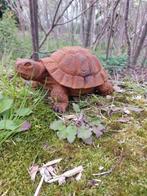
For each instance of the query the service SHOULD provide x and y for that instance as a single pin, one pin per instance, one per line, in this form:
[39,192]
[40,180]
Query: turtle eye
[27,64]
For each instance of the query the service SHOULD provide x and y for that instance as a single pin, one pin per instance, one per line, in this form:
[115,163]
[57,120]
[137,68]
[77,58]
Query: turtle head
[30,69]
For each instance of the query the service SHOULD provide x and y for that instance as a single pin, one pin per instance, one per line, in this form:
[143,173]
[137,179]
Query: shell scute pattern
[76,68]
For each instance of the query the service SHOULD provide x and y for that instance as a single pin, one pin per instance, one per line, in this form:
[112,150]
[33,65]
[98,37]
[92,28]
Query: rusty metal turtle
[70,71]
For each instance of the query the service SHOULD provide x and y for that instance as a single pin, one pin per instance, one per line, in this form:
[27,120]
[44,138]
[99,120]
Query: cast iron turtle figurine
[70,71]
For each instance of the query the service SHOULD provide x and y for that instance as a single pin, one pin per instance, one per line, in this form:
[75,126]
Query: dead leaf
[25,126]
[33,171]
[88,141]
[101,168]
[94,182]
[99,130]
[126,111]
[78,177]
[45,173]
[123,120]
[108,97]
[138,97]
[118,89]
[61,180]
[135,109]
[53,162]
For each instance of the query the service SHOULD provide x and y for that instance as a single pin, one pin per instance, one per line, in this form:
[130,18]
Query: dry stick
[37,192]
[54,24]
[112,168]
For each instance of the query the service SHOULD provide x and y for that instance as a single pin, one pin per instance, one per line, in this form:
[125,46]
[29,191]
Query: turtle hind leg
[60,98]
[105,89]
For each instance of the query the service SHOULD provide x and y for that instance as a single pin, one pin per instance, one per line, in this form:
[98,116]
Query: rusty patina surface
[68,72]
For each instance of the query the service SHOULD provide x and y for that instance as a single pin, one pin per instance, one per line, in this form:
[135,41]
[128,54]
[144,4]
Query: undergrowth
[125,142]
[122,146]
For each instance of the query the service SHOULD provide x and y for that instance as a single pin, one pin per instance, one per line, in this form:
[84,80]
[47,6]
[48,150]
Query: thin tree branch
[56,12]
[54,24]
[78,14]
[59,17]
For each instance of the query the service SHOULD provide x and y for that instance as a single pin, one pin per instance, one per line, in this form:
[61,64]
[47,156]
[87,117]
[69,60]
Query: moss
[40,144]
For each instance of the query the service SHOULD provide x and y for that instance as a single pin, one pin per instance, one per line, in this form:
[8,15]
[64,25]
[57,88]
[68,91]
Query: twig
[112,168]
[37,192]
[55,21]
[78,14]
[52,162]
[52,25]
[67,174]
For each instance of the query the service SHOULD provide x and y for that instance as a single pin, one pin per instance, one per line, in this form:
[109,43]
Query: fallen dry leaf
[99,130]
[118,89]
[78,177]
[134,109]
[123,120]
[53,162]
[25,126]
[45,173]
[126,111]
[88,141]
[33,171]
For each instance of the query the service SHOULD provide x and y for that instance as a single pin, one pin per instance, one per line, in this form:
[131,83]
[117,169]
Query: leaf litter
[49,174]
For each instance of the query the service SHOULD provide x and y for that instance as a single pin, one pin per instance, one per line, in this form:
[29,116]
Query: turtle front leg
[34,84]
[105,89]
[59,95]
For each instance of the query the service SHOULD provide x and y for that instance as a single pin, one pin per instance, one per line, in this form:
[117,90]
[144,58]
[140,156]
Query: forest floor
[123,146]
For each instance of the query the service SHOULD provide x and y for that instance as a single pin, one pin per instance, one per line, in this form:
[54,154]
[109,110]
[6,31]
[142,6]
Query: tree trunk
[140,44]
[34,27]
[83,21]
[127,33]
[144,58]
[88,36]
[111,28]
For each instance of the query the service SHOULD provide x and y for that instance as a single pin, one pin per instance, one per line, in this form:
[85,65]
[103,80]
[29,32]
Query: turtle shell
[76,68]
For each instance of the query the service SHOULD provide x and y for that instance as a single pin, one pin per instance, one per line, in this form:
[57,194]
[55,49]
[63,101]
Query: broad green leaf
[57,125]
[76,108]
[71,133]
[71,138]
[84,133]
[5,104]
[23,112]
[8,125]
[62,134]
[94,121]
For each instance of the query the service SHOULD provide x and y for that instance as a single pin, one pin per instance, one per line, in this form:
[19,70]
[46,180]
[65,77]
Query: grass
[40,144]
